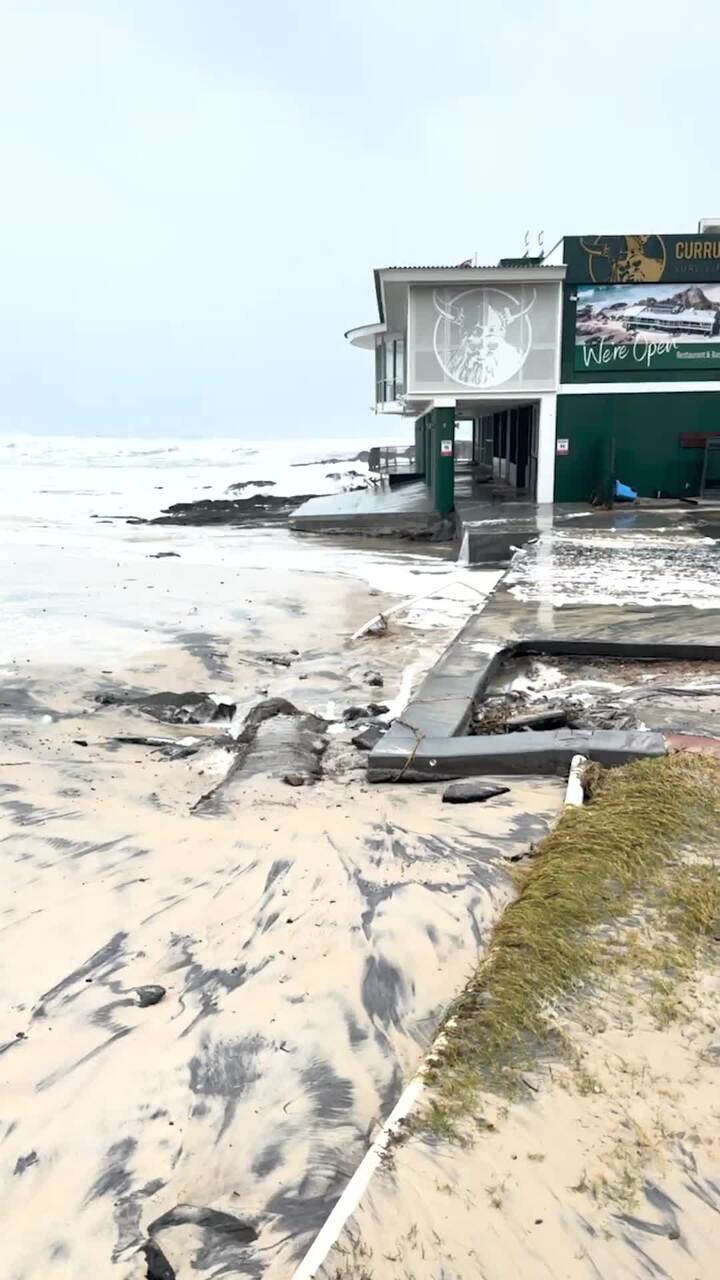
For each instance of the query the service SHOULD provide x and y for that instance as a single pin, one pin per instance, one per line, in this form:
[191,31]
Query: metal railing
[392,458]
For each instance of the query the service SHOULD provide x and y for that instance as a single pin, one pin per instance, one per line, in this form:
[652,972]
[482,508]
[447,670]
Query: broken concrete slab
[172,708]
[369,737]
[507,754]
[470,792]
[277,741]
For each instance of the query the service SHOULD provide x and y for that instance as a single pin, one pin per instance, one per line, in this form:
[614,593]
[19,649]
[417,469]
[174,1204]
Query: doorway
[505,450]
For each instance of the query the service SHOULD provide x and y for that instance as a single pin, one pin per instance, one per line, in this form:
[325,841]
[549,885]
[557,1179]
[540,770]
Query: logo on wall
[482,336]
[625,259]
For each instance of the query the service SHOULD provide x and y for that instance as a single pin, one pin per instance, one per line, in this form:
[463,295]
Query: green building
[603,368]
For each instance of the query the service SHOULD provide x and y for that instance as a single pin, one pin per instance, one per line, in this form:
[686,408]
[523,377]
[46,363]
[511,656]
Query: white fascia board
[365,335]
[470,275]
[630,388]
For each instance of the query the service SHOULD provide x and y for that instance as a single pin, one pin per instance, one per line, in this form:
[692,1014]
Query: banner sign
[642,259]
[641,327]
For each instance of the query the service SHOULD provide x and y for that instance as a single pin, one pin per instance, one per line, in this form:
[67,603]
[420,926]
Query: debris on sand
[170,748]
[360,713]
[375,679]
[469,792]
[149,995]
[172,708]
[277,740]
[157,1266]
[279,659]
[369,737]
[544,718]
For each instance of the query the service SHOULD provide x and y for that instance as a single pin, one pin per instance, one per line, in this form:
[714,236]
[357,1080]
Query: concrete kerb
[429,743]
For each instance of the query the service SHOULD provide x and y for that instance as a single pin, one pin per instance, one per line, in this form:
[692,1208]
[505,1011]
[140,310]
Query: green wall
[646,428]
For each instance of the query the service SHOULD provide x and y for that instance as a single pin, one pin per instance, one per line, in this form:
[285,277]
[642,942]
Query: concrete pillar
[547,417]
[442,454]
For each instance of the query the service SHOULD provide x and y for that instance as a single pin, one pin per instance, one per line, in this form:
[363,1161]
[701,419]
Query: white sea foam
[79,582]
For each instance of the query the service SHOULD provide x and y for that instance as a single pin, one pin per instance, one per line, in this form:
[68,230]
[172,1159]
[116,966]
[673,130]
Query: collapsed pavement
[581,596]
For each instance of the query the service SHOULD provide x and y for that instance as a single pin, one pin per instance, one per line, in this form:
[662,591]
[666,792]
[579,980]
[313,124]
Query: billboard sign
[645,327]
[642,259]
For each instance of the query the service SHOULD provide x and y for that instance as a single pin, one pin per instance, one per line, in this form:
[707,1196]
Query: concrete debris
[171,708]
[277,740]
[276,659]
[545,718]
[149,995]
[468,792]
[369,737]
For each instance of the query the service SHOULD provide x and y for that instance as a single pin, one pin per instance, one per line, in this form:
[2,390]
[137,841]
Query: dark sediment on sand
[262,508]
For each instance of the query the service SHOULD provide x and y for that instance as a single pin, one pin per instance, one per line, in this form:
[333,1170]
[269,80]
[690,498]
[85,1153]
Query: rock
[247,484]
[294,780]
[369,738]
[360,713]
[374,678]
[472,791]
[150,995]
[353,713]
[262,508]
[165,555]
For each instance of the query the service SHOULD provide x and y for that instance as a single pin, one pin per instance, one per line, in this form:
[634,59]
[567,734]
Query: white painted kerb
[357,1186]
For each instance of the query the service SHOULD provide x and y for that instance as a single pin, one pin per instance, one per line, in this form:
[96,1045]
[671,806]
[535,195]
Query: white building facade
[483,342]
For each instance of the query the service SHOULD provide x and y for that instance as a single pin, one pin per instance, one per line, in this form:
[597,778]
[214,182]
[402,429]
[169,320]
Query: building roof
[521,264]
[528,269]
[690,315]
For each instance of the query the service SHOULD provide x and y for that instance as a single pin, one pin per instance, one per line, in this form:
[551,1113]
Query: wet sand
[610,1167]
[307,938]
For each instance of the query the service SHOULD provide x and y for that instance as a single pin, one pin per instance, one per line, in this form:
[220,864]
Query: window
[389,369]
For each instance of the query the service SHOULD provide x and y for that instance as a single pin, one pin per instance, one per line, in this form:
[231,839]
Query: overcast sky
[195,192]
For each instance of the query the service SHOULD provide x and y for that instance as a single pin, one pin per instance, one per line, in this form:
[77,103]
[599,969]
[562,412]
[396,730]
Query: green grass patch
[623,857]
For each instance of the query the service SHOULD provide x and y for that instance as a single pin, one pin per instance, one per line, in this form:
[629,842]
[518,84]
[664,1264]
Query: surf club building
[548,383]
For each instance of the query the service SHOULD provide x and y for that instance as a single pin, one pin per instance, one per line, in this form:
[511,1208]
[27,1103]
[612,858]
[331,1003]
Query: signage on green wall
[644,259]
[647,327]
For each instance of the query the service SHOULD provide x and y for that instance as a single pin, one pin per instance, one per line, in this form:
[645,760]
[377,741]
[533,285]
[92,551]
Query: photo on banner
[648,327]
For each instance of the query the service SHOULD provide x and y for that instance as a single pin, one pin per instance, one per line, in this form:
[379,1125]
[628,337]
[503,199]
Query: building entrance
[505,450]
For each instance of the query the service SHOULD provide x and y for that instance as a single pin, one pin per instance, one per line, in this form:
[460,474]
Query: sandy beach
[307,938]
